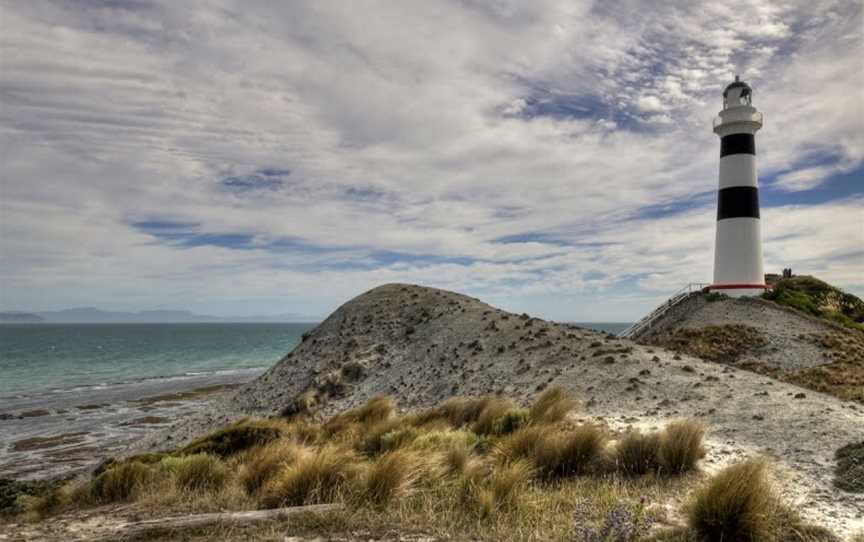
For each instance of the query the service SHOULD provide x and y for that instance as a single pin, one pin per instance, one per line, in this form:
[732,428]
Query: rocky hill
[809,348]
[422,345]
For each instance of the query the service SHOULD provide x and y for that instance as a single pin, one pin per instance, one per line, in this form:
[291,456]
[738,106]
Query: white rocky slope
[422,345]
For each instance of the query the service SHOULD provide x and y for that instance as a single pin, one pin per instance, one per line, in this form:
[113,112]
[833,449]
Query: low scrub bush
[680,446]
[320,477]
[234,438]
[551,406]
[736,504]
[638,453]
[849,474]
[120,482]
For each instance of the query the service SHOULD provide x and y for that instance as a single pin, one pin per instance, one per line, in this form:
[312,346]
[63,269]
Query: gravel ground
[423,345]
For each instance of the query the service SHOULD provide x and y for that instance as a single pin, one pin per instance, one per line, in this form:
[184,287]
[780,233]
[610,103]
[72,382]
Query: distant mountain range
[91,315]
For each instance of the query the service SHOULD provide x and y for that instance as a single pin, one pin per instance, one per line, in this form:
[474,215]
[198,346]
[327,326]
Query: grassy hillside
[813,296]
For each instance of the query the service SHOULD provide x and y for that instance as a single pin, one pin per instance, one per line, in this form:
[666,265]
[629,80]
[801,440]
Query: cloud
[302,152]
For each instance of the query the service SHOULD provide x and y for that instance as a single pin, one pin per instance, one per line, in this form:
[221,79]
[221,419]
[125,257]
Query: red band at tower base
[738,286]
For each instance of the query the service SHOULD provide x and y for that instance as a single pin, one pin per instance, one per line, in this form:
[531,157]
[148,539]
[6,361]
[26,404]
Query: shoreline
[51,436]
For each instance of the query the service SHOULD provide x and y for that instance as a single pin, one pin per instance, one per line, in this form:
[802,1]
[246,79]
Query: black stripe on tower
[737,144]
[737,202]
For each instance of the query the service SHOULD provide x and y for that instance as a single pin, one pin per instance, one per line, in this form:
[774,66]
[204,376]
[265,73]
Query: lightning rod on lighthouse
[738,245]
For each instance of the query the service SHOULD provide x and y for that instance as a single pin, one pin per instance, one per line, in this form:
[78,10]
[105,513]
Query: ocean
[69,392]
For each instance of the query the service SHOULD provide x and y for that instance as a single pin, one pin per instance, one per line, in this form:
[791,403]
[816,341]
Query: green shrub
[552,406]
[12,490]
[680,446]
[638,453]
[736,504]
[849,474]
[121,482]
[233,438]
[200,472]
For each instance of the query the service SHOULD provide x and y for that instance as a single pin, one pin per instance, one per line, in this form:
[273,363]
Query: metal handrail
[680,295]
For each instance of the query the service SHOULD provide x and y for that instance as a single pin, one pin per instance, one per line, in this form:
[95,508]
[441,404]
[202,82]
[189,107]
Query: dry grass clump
[522,444]
[121,482]
[736,504]
[569,454]
[199,472]
[680,446]
[638,453]
[320,477]
[552,406]
[504,490]
[393,475]
[234,438]
[375,411]
[499,417]
[263,463]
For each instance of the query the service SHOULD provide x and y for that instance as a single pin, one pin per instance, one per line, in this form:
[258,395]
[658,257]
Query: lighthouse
[738,244]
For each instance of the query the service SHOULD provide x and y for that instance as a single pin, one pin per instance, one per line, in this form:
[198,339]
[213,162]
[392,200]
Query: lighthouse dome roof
[737,84]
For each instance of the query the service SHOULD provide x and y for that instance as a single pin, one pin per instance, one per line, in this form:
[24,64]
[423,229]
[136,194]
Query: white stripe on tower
[738,246]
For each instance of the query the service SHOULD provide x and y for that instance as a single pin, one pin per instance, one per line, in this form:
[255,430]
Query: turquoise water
[42,357]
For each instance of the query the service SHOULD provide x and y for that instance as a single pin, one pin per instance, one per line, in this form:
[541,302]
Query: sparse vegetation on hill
[812,296]
[849,475]
[724,344]
[469,467]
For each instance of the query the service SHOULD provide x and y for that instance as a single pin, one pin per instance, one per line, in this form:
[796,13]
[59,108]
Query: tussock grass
[736,504]
[121,482]
[263,463]
[393,475]
[199,472]
[523,444]
[504,490]
[681,446]
[551,406]
[319,477]
[432,471]
[638,453]
[571,453]
[375,411]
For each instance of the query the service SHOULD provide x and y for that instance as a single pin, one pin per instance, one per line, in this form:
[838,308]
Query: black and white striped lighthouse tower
[738,248]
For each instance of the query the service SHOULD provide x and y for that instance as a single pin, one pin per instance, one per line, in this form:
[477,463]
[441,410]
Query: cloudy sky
[555,156]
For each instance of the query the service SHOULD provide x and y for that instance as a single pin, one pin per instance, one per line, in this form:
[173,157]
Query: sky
[555,156]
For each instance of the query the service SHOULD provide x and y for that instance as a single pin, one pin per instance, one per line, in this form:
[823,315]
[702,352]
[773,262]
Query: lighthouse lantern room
[738,245]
